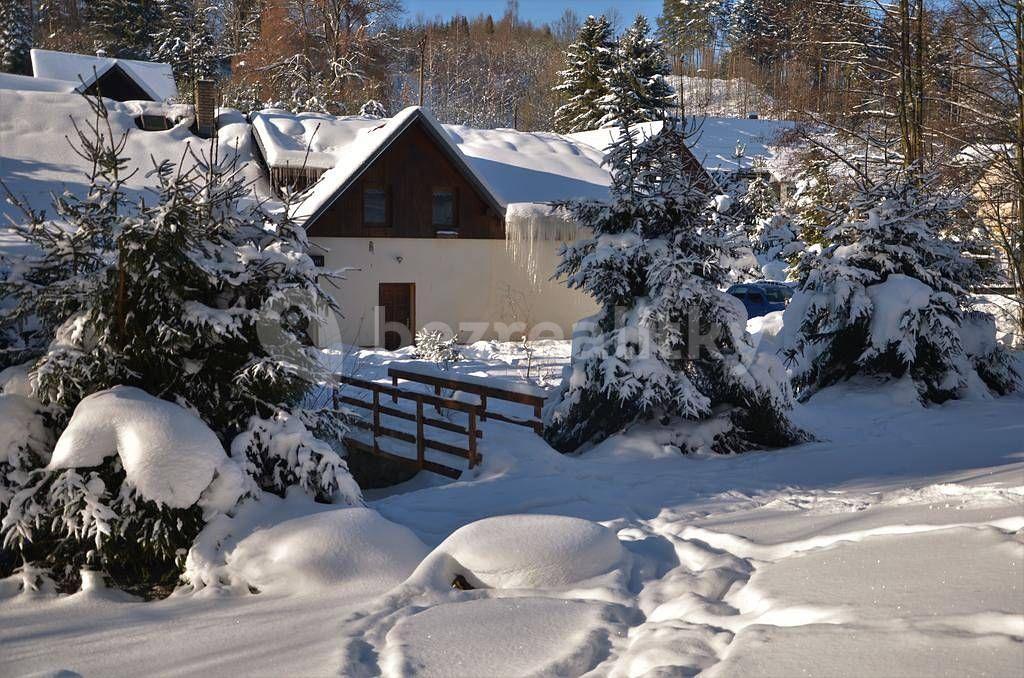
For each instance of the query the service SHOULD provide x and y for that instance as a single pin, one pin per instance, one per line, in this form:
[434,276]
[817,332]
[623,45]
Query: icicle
[527,223]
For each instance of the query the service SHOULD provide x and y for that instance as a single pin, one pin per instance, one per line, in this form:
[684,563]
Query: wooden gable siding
[117,85]
[409,169]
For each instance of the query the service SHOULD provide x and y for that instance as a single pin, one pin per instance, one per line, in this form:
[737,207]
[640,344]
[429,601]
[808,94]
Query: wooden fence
[486,392]
[420,438]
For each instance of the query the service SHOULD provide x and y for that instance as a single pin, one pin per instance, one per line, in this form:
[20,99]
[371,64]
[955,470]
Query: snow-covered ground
[893,545]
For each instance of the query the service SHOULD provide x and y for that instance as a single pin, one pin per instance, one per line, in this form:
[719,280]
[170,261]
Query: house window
[375,206]
[443,208]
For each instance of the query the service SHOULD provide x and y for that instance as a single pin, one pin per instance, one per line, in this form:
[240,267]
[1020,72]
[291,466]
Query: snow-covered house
[446,226]
[117,79]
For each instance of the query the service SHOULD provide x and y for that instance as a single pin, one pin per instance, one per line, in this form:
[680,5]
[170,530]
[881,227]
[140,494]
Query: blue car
[761,298]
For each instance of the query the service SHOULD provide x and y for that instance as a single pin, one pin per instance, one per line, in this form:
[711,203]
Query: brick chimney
[206,102]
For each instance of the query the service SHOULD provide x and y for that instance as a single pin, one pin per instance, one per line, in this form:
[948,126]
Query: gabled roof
[368,144]
[156,79]
[517,167]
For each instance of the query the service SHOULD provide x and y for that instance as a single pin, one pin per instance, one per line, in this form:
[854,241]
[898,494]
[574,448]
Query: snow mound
[17,380]
[21,428]
[349,545]
[169,455]
[523,551]
[499,637]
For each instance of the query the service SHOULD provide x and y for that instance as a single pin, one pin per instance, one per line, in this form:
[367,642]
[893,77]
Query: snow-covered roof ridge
[157,79]
[368,144]
[514,166]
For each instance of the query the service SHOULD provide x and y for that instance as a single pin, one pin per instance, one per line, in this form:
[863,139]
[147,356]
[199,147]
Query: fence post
[394,394]
[538,414]
[483,407]
[376,421]
[420,445]
[472,439]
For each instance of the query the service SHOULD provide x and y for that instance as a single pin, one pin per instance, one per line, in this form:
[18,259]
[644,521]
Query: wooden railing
[485,392]
[420,439]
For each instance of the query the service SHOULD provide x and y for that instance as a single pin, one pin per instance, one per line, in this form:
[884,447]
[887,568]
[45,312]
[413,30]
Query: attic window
[375,206]
[443,207]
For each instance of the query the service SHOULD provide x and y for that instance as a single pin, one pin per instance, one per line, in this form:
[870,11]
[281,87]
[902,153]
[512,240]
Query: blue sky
[537,11]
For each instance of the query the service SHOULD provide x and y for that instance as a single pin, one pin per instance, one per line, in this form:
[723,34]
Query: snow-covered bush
[436,347]
[886,294]
[524,551]
[668,343]
[128,486]
[373,109]
[196,296]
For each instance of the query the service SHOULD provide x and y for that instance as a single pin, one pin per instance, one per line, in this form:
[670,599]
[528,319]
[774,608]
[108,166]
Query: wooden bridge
[386,433]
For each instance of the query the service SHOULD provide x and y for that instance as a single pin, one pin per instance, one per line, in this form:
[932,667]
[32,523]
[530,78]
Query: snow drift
[523,551]
[351,546]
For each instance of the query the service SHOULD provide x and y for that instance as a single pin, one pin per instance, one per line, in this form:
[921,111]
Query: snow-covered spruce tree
[757,203]
[15,36]
[668,344]
[184,41]
[582,83]
[886,294]
[635,85]
[812,202]
[197,299]
[434,346]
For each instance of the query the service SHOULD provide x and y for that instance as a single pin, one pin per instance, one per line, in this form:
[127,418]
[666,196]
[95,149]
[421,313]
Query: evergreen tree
[184,41]
[15,37]
[812,205]
[194,298]
[667,343]
[123,28]
[636,88]
[583,82]
[886,294]
[685,26]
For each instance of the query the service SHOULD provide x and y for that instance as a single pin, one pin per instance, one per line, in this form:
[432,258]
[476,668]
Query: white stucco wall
[475,287]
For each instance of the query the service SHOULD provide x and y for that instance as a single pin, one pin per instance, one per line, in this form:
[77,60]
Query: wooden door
[398,301]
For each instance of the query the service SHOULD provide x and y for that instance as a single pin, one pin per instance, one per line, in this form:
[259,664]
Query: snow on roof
[36,159]
[516,167]
[715,144]
[367,144]
[27,83]
[157,79]
[533,167]
[314,140]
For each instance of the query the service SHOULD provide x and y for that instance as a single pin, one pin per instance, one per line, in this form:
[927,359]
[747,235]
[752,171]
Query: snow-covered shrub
[127,487]
[196,296]
[436,347]
[373,109]
[885,295]
[522,552]
[668,343]
[281,452]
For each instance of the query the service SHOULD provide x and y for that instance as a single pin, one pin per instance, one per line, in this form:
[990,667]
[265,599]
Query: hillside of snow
[892,545]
